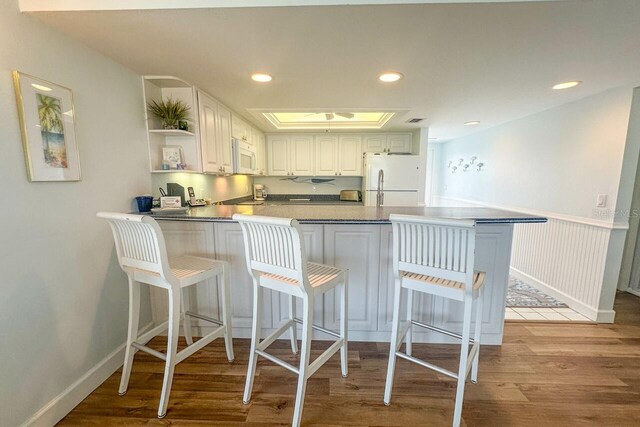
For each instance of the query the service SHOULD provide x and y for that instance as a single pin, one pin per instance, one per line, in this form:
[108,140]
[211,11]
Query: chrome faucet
[380,194]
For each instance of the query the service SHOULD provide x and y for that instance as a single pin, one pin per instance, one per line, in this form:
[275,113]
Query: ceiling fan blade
[346,115]
[329,116]
[311,114]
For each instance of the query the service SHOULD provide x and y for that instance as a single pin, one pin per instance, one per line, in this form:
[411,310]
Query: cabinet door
[209,133]
[278,155]
[358,249]
[230,247]
[240,129]
[301,155]
[224,139]
[375,143]
[350,149]
[326,155]
[261,151]
[399,143]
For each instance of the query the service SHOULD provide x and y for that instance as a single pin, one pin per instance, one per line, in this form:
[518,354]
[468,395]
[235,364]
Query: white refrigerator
[399,180]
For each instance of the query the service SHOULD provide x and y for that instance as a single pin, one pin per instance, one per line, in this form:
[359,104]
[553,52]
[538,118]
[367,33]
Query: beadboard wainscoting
[566,257]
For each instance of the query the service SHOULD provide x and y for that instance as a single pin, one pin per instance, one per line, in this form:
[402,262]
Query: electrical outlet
[601,201]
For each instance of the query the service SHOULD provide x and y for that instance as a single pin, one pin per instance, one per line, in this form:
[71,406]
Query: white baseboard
[63,403]
[600,316]
[633,292]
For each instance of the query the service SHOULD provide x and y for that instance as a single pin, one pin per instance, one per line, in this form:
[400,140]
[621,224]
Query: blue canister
[144,203]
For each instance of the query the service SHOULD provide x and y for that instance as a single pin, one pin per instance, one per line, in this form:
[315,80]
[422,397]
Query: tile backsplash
[308,185]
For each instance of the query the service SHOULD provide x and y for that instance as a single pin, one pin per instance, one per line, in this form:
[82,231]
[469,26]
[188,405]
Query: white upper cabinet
[241,129]
[209,133]
[375,143]
[327,156]
[261,151]
[278,155]
[399,143]
[215,135]
[290,155]
[301,155]
[350,155]
[224,138]
[387,143]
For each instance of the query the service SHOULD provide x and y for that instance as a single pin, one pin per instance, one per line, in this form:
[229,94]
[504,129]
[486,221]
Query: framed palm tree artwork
[47,123]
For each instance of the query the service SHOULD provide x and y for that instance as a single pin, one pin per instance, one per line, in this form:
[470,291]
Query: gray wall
[63,297]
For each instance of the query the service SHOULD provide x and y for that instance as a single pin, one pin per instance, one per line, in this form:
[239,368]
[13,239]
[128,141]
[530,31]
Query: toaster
[350,196]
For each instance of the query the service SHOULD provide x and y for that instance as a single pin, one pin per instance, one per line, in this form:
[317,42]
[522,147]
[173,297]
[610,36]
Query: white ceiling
[490,62]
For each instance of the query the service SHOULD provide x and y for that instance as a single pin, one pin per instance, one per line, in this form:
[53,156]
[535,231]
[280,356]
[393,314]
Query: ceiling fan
[331,116]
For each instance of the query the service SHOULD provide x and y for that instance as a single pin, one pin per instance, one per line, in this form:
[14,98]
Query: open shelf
[171,132]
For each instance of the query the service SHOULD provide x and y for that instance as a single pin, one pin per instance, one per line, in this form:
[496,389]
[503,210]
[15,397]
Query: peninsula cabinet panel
[493,242]
[422,303]
[313,235]
[195,239]
[230,247]
[357,248]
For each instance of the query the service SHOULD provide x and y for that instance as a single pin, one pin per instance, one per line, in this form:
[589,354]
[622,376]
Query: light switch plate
[601,201]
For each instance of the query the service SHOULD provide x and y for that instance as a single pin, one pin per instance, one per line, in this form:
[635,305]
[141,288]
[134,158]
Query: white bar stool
[276,259]
[143,256]
[436,257]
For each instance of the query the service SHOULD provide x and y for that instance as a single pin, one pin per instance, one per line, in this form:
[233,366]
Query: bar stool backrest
[275,246]
[441,248]
[139,242]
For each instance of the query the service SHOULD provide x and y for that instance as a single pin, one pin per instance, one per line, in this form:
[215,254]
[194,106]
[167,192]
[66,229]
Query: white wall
[216,188]
[558,160]
[63,297]
[555,163]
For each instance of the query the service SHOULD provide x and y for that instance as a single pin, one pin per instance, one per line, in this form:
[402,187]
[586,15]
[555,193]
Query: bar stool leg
[294,327]
[464,355]
[226,313]
[394,341]
[409,319]
[186,306]
[132,335]
[477,336]
[172,347]
[255,340]
[344,328]
[305,352]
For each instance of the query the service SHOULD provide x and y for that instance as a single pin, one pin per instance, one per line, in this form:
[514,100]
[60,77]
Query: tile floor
[544,314]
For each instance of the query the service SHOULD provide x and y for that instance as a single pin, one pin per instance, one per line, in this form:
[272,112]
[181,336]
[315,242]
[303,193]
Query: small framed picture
[172,155]
[48,127]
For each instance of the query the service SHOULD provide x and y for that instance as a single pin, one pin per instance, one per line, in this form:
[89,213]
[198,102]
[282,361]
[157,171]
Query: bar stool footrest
[439,330]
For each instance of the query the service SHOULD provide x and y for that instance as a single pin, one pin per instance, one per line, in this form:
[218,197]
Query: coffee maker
[259,192]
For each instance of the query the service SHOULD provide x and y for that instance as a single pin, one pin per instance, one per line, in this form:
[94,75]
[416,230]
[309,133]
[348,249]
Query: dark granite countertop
[339,214]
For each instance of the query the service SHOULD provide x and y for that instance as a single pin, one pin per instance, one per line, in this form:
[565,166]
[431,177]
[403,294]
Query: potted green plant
[169,112]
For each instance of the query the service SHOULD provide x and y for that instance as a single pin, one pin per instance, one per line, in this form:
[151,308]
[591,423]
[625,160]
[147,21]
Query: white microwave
[244,158]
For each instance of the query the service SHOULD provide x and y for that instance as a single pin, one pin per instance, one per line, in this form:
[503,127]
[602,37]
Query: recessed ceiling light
[566,85]
[390,77]
[40,87]
[472,123]
[261,77]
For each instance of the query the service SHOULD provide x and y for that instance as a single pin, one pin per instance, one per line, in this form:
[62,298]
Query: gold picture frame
[48,127]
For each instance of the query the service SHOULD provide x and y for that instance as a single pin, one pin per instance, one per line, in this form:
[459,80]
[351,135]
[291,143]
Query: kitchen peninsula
[355,237]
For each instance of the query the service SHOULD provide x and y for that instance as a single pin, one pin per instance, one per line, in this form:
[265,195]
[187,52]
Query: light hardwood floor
[543,375]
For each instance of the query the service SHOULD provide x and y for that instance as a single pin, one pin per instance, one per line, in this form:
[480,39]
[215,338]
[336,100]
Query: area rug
[521,294]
